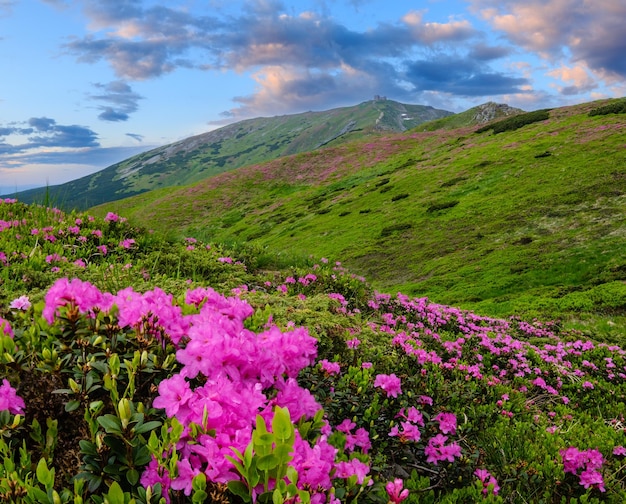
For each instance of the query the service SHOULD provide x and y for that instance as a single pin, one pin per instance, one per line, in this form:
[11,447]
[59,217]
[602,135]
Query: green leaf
[267,462]
[44,475]
[110,423]
[40,495]
[277,497]
[240,490]
[72,405]
[115,494]
[87,447]
[282,427]
[283,452]
[132,476]
[148,426]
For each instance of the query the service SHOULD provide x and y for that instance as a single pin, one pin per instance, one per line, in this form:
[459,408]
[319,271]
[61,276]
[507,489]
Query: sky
[88,83]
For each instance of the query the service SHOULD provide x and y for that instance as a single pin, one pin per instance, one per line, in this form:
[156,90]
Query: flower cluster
[586,465]
[9,400]
[488,481]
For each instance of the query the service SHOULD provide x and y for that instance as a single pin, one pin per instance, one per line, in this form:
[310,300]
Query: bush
[516,122]
[616,107]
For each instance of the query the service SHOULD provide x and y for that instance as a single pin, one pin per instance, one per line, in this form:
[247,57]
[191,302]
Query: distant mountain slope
[481,114]
[239,144]
[495,222]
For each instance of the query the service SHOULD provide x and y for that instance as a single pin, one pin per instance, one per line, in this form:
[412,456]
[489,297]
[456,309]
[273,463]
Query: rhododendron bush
[123,381]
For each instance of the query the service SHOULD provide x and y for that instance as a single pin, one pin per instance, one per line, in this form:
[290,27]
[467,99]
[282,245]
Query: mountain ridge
[233,146]
[500,222]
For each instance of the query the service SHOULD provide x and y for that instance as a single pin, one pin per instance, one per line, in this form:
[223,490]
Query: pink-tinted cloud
[586,32]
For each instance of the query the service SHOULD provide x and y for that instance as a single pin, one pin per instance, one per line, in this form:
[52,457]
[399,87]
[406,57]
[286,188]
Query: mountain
[501,223]
[233,146]
[481,114]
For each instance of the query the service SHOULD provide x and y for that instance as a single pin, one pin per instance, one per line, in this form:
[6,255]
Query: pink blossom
[487,480]
[20,303]
[437,450]
[395,491]
[5,328]
[354,467]
[332,368]
[619,451]
[447,422]
[9,400]
[111,217]
[389,383]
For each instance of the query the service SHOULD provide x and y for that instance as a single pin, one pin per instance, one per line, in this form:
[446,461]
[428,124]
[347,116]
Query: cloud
[297,59]
[460,76]
[46,133]
[135,136]
[577,77]
[589,33]
[121,100]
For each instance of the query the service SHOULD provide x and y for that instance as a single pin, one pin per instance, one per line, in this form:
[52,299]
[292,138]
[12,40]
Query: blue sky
[87,83]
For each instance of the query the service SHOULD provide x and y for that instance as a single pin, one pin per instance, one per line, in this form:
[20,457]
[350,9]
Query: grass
[483,221]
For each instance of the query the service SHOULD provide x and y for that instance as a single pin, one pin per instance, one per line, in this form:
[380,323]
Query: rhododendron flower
[590,461]
[331,368]
[5,328]
[174,394]
[111,217]
[20,303]
[395,491]
[389,383]
[437,450]
[487,479]
[353,467]
[619,451]
[447,422]
[9,400]
[409,432]
[592,478]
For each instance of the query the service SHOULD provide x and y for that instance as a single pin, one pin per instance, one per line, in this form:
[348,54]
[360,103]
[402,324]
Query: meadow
[527,221]
[138,367]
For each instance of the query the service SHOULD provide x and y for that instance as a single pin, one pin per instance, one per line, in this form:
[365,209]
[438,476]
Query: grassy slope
[239,144]
[519,221]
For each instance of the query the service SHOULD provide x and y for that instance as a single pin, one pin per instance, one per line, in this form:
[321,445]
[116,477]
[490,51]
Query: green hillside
[524,221]
[239,144]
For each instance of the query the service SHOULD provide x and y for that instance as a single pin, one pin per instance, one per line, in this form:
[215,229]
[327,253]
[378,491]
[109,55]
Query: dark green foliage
[389,230]
[516,122]
[399,196]
[441,205]
[616,107]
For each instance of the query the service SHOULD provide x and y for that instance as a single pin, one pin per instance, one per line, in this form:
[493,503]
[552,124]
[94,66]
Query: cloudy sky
[87,83]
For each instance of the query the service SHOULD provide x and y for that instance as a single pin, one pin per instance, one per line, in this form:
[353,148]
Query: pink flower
[20,303]
[5,328]
[447,422]
[487,480]
[111,217]
[591,478]
[174,394]
[395,491]
[9,400]
[619,451]
[332,368]
[354,467]
[437,450]
[389,383]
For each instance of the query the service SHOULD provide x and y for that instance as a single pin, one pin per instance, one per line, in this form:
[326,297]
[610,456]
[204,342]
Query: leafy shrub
[386,231]
[400,196]
[515,122]
[441,205]
[616,107]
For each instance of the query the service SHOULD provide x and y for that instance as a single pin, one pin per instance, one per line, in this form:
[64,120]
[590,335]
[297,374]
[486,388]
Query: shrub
[516,122]
[616,107]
